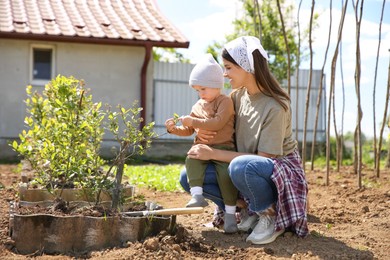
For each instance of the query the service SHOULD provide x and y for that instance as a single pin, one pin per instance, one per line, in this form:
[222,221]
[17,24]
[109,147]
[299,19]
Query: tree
[308,86]
[376,149]
[383,126]
[341,136]
[62,142]
[263,21]
[297,72]
[358,130]
[214,49]
[387,164]
[168,55]
[287,47]
[332,94]
[321,87]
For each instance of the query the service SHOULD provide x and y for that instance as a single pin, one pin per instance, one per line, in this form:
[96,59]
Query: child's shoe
[230,223]
[197,201]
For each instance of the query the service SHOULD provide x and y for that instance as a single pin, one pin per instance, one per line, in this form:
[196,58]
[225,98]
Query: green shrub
[124,125]
[65,131]
[64,134]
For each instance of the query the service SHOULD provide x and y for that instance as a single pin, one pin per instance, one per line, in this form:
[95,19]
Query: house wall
[111,72]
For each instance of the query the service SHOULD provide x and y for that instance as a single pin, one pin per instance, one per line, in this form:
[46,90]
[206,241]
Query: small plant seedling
[175,118]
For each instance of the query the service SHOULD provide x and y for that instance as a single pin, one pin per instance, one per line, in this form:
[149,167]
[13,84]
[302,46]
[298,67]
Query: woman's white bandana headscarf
[241,50]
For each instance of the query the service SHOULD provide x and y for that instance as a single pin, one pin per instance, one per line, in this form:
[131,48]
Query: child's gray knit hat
[207,73]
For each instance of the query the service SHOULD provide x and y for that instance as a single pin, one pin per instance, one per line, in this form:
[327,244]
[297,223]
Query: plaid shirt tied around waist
[290,181]
[289,178]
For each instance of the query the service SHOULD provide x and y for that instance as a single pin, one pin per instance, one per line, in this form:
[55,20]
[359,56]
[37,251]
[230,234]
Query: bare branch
[384,118]
[287,49]
[319,98]
[377,150]
[308,87]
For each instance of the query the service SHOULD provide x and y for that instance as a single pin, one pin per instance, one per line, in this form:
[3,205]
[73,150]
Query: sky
[204,21]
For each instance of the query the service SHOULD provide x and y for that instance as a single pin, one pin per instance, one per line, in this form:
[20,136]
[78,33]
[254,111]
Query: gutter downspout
[144,70]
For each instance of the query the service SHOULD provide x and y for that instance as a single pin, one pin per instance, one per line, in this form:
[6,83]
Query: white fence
[301,104]
[172,94]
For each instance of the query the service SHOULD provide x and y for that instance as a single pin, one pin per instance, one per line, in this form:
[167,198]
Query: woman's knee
[239,164]
[250,164]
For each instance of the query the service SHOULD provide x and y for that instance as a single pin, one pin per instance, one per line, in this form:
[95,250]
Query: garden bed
[345,223]
[62,226]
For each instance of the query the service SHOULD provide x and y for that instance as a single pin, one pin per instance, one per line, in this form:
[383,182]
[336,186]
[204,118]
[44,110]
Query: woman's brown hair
[265,81]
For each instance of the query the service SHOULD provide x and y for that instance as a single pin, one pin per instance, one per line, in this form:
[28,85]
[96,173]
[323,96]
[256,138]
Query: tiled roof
[132,22]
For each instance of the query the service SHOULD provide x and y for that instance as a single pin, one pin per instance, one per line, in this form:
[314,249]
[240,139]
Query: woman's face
[235,74]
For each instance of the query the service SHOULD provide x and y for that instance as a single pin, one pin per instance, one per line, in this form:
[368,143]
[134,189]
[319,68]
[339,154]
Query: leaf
[28,90]
[175,118]
[58,102]
[15,145]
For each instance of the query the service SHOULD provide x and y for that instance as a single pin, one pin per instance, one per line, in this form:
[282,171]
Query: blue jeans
[251,174]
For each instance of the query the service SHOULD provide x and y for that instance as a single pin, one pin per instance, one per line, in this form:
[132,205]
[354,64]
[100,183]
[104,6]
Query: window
[42,65]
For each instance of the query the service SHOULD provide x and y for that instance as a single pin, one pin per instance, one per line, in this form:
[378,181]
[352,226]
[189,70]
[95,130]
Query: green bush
[65,131]
[64,134]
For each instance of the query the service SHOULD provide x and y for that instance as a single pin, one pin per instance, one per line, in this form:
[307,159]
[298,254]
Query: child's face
[208,94]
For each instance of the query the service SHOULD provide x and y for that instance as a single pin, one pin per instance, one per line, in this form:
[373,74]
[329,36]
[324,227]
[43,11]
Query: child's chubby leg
[195,172]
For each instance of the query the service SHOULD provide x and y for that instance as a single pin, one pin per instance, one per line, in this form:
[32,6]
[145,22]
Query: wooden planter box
[52,234]
[79,234]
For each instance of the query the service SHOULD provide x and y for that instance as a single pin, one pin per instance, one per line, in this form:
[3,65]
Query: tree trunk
[358,19]
[341,143]
[287,49]
[308,87]
[335,129]
[319,98]
[119,175]
[331,91]
[257,10]
[378,156]
[387,165]
[297,74]
[377,150]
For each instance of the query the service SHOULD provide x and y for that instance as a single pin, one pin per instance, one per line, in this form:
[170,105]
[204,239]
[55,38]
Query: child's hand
[186,120]
[170,125]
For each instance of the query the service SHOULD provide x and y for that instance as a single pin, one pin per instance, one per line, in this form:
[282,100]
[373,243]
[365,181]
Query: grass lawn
[153,176]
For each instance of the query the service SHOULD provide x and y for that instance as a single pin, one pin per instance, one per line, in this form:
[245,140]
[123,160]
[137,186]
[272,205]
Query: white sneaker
[264,232]
[247,222]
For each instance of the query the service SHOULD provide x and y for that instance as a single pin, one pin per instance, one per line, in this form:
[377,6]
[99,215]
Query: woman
[266,169]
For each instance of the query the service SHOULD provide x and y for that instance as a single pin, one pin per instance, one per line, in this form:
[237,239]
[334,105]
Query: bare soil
[345,222]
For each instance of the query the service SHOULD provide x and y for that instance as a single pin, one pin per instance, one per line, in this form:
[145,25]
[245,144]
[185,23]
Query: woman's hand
[170,125]
[205,136]
[201,152]
[205,152]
